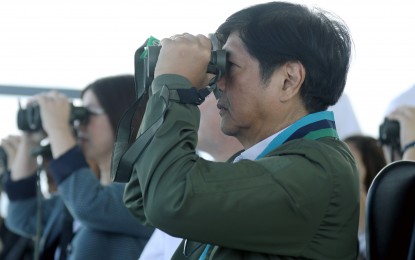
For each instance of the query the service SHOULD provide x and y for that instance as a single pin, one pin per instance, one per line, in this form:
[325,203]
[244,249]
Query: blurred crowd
[59,201]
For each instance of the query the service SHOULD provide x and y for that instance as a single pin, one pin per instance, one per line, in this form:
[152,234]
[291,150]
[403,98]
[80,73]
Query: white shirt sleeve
[161,246]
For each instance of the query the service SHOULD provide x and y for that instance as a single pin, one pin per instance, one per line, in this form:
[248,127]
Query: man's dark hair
[115,94]
[277,32]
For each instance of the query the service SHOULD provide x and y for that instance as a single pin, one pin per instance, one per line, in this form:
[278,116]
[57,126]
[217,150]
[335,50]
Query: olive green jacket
[301,201]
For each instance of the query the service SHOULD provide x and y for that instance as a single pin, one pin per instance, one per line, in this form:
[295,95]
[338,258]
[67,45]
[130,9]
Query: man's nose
[221,84]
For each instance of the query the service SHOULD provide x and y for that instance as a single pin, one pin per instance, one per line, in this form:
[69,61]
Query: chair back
[390,213]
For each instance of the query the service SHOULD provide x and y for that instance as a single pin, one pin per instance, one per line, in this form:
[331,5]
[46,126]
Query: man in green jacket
[293,192]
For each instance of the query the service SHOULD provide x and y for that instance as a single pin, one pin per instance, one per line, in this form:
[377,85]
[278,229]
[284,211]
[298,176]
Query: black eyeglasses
[81,115]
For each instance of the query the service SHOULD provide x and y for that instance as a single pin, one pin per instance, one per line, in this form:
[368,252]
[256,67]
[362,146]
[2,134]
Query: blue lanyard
[203,255]
[312,126]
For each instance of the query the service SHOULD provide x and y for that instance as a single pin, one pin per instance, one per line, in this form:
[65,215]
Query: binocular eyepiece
[217,64]
[145,66]
[29,119]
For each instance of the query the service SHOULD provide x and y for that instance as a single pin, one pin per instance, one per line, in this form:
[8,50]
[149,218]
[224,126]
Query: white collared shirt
[253,152]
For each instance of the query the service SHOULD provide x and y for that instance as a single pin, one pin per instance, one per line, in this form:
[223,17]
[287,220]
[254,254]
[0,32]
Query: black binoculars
[29,119]
[389,133]
[144,66]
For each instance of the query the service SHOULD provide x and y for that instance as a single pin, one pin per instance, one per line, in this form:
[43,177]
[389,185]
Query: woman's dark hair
[372,156]
[277,32]
[115,94]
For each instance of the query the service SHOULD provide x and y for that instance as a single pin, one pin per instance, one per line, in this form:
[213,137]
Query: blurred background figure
[370,160]
[90,208]
[12,245]
[391,143]
[405,116]
[406,98]
[346,121]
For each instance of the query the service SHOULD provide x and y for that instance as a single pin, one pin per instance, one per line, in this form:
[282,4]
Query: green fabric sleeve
[275,205]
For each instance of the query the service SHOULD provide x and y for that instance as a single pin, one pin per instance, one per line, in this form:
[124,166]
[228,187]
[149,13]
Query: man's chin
[226,129]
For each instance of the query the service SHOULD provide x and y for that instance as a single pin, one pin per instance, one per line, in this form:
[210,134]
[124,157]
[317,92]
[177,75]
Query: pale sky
[71,43]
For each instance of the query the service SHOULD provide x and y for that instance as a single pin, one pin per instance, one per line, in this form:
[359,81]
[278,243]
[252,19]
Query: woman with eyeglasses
[102,226]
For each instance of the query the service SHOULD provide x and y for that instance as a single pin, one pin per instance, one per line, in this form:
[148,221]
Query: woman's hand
[55,111]
[10,145]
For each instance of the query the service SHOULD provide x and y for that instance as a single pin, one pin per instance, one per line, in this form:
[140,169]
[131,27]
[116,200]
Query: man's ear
[294,73]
